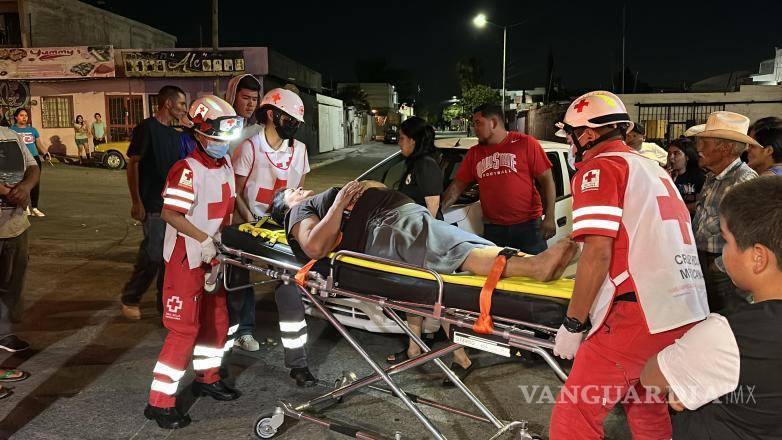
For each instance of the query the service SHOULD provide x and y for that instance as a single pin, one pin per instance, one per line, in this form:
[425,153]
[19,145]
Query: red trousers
[606,372]
[197,325]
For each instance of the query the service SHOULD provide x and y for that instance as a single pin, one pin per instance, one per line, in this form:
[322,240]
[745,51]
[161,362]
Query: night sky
[667,42]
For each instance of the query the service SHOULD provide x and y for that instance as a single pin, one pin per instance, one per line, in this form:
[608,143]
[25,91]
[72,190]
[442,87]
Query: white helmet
[285,100]
[215,118]
[594,109]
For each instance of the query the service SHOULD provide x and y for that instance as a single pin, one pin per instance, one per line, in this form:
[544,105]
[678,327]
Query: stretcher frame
[316,288]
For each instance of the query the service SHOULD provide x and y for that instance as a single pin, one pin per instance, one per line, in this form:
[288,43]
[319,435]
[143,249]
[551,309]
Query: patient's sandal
[460,372]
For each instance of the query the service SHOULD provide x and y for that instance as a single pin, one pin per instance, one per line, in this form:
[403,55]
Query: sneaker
[13,344]
[38,213]
[247,343]
[27,211]
[131,312]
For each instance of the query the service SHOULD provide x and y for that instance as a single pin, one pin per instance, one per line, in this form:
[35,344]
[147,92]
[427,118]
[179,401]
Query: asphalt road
[92,368]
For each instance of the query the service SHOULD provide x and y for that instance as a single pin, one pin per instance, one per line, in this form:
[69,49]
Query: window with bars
[665,122]
[57,111]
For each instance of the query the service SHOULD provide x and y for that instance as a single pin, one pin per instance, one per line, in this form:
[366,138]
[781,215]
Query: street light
[480,21]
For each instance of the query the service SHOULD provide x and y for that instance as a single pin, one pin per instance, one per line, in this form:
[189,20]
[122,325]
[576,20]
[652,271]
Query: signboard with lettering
[178,63]
[57,62]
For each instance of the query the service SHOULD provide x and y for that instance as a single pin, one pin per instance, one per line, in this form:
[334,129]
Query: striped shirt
[706,223]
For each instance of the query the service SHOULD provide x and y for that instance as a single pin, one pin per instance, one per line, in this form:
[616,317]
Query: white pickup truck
[465,213]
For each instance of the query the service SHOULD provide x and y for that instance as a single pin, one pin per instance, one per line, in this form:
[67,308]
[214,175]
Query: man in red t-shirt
[507,165]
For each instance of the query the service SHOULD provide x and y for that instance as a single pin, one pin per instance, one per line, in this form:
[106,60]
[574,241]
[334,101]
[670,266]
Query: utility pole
[215,41]
[504,50]
[624,31]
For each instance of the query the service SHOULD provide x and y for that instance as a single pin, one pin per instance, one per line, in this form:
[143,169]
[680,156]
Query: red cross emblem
[174,304]
[228,123]
[276,98]
[581,104]
[673,208]
[224,207]
[265,194]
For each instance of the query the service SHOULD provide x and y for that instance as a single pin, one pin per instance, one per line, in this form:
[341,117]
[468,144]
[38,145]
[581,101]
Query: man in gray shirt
[19,173]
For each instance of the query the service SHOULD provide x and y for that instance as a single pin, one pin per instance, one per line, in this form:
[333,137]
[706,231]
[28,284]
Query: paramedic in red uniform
[638,285]
[507,165]
[198,201]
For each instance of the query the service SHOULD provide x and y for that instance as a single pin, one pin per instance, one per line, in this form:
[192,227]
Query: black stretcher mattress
[519,298]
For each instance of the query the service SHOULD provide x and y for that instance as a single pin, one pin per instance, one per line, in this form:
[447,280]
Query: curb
[337,158]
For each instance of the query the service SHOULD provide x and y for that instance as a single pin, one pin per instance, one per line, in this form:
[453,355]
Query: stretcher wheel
[269,425]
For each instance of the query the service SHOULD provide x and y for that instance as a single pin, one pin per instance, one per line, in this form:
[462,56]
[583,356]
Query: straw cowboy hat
[695,129]
[727,125]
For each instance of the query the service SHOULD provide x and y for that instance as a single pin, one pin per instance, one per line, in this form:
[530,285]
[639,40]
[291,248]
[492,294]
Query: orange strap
[484,324]
[301,275]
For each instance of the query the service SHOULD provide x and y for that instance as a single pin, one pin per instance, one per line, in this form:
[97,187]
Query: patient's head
[286,198]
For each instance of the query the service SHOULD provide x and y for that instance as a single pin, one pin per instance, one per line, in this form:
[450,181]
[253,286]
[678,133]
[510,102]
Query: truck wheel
[114,160]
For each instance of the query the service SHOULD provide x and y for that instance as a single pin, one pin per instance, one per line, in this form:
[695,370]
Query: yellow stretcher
[526,314]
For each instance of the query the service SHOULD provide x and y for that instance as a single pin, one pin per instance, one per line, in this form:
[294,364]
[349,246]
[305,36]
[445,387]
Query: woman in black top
[422,181]
[684,170]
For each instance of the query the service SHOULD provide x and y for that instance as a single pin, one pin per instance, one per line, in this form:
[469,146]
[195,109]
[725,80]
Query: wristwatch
[573,325]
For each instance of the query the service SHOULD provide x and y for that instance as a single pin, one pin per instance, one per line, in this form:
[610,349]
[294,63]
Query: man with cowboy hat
[638,286]
[720,144]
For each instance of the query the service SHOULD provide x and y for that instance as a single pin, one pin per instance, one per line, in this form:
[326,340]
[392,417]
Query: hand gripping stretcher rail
[524,315]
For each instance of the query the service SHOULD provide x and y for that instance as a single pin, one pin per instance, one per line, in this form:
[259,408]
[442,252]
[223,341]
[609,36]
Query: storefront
[122,98]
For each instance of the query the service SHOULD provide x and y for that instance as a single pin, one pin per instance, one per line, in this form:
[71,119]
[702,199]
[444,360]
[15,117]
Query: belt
[629,297]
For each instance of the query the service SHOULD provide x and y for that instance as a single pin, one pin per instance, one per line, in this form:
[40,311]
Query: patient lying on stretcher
[385,223]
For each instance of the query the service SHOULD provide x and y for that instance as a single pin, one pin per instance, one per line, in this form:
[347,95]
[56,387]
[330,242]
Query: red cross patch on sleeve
[186,179]
[590,181]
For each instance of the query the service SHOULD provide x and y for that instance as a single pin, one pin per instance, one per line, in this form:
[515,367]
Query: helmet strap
[602,138]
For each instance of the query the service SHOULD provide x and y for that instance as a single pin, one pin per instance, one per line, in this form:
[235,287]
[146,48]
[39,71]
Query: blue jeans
[241,304]
[525,237]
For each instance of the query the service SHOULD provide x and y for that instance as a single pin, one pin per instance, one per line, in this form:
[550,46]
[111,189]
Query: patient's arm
[364,185]
[317,236]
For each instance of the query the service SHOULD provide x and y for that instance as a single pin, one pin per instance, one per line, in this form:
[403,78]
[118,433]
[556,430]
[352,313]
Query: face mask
[216,150]
[571,157]
[286,127]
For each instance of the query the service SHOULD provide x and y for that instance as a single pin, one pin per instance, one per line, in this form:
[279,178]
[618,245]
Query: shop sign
[57,62]
[183,63]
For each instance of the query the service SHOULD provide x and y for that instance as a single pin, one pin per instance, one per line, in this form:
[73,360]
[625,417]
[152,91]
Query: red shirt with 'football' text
[506,175]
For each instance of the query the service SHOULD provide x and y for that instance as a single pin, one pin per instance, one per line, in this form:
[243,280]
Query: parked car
[392,135]
[465,213]
[112,155]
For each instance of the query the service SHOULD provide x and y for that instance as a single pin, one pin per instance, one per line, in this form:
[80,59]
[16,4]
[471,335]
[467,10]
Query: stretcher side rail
[516,333]
[506,328]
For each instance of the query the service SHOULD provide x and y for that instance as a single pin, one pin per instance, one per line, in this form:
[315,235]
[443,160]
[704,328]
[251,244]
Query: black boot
[167,418]
[218,390]
[303,377]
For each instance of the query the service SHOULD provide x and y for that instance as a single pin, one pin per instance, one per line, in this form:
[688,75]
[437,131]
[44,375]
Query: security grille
[124,113]
[664,122]
[57,111]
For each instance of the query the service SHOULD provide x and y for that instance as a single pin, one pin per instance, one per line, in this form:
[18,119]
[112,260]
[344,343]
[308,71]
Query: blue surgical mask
[217,150]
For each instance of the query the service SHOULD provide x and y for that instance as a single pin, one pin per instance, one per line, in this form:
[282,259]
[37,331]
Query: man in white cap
[720,144]
[638,286]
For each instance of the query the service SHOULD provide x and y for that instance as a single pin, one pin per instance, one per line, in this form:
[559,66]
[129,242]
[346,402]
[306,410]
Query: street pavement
[91,368]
